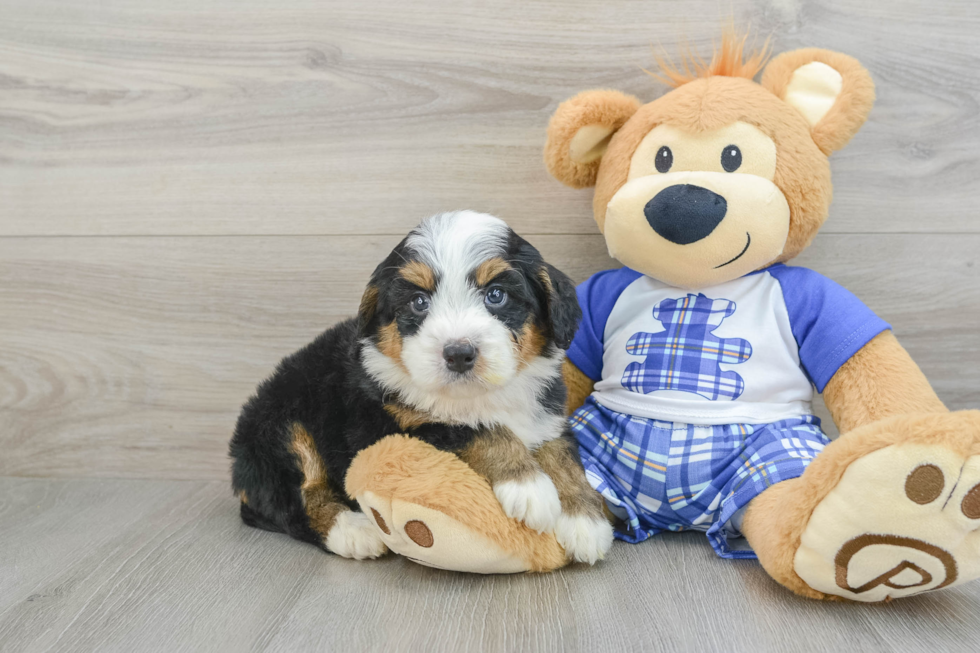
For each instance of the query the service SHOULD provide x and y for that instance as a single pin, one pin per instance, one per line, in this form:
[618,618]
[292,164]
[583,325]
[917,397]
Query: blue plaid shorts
[665,476]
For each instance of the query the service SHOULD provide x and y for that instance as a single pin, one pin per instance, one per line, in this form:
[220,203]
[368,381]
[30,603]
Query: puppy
[459,342]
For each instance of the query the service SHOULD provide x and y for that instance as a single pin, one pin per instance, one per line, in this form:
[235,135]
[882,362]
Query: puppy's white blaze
[454,244]
[354,535]
[533,501]
[585,539]
[459,241]
[422,353]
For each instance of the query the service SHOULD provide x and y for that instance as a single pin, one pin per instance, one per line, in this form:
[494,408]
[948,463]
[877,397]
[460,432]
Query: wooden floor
[190,190]
[97,565]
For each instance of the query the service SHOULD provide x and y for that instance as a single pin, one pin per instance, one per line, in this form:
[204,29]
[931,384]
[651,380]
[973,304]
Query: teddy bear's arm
[880,380]
[579,386]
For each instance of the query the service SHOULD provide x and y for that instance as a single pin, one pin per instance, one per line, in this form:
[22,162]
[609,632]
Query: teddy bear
[693,370]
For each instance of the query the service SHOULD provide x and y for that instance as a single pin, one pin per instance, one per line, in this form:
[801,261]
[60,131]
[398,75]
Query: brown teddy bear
[692,373]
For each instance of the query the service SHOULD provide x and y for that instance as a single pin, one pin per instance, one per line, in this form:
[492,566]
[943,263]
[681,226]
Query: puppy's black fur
[325,389]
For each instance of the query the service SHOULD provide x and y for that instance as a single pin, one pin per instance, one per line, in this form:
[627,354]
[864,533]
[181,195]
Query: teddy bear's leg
[889,510]
[431,507]
[772,525]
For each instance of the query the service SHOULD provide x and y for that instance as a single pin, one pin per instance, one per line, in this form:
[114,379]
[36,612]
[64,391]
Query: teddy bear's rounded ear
[832,90]
[580,131]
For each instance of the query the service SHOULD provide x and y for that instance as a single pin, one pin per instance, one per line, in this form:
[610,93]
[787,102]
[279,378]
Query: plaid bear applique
[687,354]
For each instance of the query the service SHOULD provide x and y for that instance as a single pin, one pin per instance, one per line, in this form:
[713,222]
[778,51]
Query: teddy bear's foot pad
[432,538]
[902,520]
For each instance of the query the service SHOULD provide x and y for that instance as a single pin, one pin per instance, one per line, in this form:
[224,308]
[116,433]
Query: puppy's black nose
[685,213]
[460,356]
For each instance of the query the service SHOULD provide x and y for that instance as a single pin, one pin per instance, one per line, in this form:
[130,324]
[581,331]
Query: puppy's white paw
[585,539]
[534,501]
[354,535]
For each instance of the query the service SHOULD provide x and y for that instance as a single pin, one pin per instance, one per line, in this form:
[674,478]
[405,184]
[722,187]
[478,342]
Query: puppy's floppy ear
[564,312]
[832,90]
[367,310]
[580,131]
[380,278]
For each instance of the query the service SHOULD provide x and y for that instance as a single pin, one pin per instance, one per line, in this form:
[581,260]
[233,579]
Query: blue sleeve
[596,295]
[829,323]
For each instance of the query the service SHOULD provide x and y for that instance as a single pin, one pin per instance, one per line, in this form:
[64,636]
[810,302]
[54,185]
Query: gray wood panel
[89,565]
[129,357]
[245,117]
[189,191]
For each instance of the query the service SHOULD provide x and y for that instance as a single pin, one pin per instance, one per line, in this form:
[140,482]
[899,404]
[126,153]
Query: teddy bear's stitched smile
[748,241]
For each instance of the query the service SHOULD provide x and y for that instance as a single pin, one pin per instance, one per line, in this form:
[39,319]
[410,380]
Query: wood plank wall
[189,191]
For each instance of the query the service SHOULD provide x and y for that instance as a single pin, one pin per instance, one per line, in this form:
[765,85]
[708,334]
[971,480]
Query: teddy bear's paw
[436,539]
[584,538]
[533,501]
[354,535]
[902,520]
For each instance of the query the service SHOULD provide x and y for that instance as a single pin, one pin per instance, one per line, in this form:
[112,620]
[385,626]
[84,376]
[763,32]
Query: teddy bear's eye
[731,158]
[665,159]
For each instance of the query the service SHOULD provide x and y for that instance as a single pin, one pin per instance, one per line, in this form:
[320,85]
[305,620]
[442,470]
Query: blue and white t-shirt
[746,351]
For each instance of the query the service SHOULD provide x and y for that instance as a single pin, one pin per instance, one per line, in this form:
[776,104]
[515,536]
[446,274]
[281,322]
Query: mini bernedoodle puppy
[458,342]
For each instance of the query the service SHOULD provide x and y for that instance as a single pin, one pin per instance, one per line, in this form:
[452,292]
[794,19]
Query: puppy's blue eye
[419,304]
[496,297]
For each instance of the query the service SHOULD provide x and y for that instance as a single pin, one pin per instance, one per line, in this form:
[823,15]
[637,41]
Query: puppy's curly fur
[458,342]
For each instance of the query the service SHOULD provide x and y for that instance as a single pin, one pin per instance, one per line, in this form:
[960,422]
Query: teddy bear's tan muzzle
[694,229]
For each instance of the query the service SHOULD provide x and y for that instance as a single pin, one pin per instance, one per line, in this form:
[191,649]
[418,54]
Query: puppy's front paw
[584,538]
[354,535]
[534,501]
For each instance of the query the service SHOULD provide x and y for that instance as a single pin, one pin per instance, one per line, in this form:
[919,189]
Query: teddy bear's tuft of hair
[728,60]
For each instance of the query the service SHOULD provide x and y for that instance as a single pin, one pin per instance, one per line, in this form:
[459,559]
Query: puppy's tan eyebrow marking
[490,269]
[420,274]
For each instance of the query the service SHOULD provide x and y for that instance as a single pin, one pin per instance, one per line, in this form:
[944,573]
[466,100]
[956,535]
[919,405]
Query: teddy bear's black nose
[685,213]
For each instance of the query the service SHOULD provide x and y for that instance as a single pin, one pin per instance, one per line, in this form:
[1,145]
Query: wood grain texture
[92,565]
[190,191]
[129,357]
[244,117]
